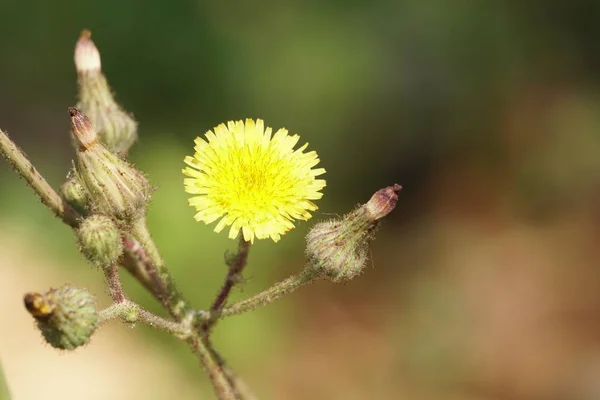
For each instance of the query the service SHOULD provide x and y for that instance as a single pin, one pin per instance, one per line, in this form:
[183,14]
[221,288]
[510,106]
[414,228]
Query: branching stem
[159,277]
[143,261]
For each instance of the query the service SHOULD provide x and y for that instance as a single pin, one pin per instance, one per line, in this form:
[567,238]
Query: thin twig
[275,292]
[113,280]
[160,277]
[21,164]
[138,264]
[241,388]
[109,313]
[132,312]
[234,274]
[218,378]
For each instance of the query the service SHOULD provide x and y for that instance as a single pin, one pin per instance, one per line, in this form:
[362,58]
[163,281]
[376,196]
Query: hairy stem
[144,250]
[109,313]
[160,277]
[142,260]
[113,281]
[138,264]
[275,292]
[221,384]
[132,312]
[234,275]
[241,389]
[21,164]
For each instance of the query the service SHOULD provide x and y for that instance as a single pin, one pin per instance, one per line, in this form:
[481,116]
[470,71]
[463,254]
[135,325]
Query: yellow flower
[251,180]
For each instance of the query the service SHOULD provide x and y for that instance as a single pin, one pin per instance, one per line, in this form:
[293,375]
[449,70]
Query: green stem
[109,313]
[132,312]
[159,276]
[164,288]
[142,260]
[21,164]
[268,296]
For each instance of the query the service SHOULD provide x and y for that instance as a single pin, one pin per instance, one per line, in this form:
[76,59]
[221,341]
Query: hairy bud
[74,193]
[337,249]
[100,240]
[67,316]
[116,189]
[117,130]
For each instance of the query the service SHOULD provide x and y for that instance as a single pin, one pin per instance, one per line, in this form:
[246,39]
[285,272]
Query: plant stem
[163,287]
[142,260]
[138,264]
[21,164]
[113,280]
[241,389]
[109,313]
[160,277]
[234,275]
[221,384]
[132,312]
[275,292]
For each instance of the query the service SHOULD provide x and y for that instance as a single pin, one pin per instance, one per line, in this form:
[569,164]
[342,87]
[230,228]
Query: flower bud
[337,249]
[117,130]
[67,316]
[116,189]
[100,240]
[74,193]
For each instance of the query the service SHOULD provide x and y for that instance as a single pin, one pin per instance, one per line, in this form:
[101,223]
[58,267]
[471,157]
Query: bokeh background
[484,284]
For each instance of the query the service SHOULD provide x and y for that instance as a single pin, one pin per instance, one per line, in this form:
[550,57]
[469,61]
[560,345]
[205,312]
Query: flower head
[116,129]
[337,249]
[114,187]
[67,316]
[252,180]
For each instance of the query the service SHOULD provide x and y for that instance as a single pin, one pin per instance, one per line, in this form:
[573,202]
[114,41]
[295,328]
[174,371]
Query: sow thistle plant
[242,176]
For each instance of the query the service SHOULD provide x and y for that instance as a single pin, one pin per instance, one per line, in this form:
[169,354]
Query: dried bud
[67,316]
[337,249]
[116,189]
[74,193]
[100,240]
[116,128]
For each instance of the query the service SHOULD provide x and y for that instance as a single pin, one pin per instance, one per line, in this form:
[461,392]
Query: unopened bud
[67,316]
[337,249]
[131,314]
[382,202]
[100,240]
[116,128]
[87,56]
[74,193]
[116,189]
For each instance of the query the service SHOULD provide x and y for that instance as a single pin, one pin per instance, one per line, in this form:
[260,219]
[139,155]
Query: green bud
[67,316]
[74,194]
[100,240]
[117,130]
[337,249]
[116,188]
[131,314]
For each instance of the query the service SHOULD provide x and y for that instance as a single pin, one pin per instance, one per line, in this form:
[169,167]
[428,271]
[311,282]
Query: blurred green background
[485,278]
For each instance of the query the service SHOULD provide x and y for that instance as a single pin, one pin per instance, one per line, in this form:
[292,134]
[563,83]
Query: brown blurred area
[483,284]
[491,293]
